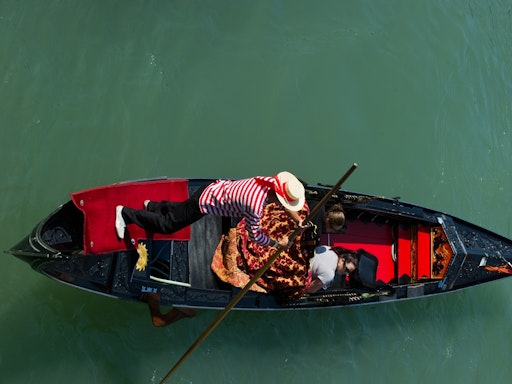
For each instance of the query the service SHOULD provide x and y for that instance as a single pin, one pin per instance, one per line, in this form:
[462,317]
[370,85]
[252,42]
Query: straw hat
[290,191]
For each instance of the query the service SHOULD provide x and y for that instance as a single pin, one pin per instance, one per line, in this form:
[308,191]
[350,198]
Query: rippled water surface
[418,93]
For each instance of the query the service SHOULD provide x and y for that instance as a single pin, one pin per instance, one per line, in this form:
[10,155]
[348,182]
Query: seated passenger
[294,272]
[327,262]
[332,221]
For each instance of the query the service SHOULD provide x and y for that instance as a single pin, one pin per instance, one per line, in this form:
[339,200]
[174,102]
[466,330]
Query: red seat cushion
[374,239]
[424,252]
[404,254]
[99,208]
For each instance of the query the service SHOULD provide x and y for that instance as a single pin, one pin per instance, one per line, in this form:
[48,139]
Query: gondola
[406,251]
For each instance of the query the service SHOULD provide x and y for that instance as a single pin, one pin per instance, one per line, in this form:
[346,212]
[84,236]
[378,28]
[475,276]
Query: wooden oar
[258,274]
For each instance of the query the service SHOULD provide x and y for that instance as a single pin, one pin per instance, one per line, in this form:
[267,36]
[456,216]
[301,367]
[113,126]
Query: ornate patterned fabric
[237,259]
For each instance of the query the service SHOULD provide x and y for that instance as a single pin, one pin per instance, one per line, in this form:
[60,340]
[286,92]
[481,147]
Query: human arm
[296,217]
[284,242]
[256,234]
[315,285]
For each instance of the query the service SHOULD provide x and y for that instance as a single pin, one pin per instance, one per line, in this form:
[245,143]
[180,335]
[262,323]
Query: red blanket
[99,208]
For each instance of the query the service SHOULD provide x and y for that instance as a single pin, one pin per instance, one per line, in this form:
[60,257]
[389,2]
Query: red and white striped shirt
[239,198]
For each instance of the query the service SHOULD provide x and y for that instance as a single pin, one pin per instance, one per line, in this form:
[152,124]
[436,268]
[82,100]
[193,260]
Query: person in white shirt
[326,262]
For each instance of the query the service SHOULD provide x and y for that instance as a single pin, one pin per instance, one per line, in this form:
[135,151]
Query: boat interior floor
[205,236]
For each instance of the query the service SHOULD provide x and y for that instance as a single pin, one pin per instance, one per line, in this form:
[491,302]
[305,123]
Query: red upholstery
[99,208]
[374,239]
[404,254]
[424,252]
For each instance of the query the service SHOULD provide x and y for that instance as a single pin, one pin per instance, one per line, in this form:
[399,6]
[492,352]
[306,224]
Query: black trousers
[166,216]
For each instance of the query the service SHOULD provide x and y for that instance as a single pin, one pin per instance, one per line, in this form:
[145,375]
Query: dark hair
[347,254]
[335,215]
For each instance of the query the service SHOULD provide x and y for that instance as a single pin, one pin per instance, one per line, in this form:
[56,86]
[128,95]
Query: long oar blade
[258,274]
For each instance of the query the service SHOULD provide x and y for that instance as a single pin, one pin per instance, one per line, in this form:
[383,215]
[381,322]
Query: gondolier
[236,198]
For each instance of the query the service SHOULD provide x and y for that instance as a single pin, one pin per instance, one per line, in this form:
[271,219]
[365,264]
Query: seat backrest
[367,269]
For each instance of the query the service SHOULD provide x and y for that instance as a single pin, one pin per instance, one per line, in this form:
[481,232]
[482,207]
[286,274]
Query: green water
[418,93]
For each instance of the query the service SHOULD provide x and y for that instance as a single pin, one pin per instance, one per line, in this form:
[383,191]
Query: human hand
[285,242]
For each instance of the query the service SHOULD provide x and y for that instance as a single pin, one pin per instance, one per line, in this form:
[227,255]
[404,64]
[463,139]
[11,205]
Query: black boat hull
[183,277]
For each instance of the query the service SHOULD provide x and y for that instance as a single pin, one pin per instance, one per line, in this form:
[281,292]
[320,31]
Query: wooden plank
[206,234]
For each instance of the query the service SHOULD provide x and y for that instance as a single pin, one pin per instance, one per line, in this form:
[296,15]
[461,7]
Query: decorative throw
[237,258]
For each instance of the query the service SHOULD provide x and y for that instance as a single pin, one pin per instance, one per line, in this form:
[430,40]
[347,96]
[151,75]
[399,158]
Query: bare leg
[161,320]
